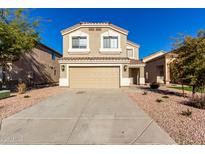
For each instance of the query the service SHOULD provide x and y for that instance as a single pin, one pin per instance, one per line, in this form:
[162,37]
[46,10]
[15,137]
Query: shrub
[197,102]
[144,93]
[186,113]
[154,85]
[27,96]
[21,88]
[165,96]
[159,100]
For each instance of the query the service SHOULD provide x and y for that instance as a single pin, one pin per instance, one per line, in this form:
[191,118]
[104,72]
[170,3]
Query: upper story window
[79,42]
[110,42]
[130,53]
[53,56]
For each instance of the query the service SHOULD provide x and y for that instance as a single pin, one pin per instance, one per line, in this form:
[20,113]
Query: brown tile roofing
[95,58]
[132,61]
[95,23]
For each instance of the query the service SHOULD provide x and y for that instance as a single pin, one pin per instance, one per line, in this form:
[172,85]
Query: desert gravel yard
[167,113]
[17,102]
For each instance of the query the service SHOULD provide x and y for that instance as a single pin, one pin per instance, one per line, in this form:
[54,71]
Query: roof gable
[154,55]
[88,24]
[133,44]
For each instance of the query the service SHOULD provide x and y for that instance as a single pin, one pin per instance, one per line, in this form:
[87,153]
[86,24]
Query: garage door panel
[94,77]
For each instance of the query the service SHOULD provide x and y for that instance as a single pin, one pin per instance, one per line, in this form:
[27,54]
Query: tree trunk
[3,83]
[182,83]
[193,90]
[183,90]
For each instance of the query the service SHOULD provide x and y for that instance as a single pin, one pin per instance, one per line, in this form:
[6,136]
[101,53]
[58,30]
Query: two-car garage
[94,76]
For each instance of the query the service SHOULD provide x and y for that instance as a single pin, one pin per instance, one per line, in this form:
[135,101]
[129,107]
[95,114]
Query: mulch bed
[168,114]
[19,102]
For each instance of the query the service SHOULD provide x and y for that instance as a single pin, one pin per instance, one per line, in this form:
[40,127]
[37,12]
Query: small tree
[18,35]
[189,66]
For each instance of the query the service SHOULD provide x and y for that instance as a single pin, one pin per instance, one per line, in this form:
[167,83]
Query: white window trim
[133,52]
[77,34]
[108,50]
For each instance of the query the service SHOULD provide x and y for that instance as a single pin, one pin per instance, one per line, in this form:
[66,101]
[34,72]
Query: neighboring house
[157,67]
[98,55]
[40,66]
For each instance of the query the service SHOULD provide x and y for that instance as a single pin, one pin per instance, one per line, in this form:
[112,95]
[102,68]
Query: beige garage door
[94,77]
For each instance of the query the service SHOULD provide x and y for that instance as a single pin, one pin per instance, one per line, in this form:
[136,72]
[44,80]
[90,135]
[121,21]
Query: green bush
[154,85]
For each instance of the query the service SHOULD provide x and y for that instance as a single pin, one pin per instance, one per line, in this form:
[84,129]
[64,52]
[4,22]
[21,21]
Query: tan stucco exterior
[94,33]
[38,64]
[157,69]
[151,69]
[135,48]
[94,44]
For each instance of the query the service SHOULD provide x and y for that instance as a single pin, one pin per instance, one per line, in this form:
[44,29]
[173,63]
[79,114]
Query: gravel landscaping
[18,102]
[169,113]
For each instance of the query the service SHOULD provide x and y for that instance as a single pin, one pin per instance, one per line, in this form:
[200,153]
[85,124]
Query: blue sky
[151,28]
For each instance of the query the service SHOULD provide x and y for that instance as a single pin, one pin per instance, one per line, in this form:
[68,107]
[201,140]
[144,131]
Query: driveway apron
[83,116]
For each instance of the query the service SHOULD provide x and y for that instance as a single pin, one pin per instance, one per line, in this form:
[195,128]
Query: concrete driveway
[105,116]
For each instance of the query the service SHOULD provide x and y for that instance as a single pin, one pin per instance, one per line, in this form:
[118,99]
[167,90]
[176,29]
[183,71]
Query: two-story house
[98,55]
[38,67]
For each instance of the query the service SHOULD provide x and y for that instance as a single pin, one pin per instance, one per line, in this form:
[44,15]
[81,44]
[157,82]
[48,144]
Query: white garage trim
[65,81]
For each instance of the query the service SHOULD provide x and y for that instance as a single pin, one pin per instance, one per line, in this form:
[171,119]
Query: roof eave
[161,51]
[77,26]
[133,43]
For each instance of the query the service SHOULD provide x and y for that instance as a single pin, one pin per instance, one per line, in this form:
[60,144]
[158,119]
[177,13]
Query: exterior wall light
[125,67]
[63,68]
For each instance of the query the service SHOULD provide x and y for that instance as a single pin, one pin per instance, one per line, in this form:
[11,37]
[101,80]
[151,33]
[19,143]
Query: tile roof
[129,61]
[92,24]
[134,61]
[95,58]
